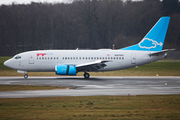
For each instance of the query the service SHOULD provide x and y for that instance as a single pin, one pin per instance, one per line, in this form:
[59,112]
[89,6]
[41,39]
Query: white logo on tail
[149,43]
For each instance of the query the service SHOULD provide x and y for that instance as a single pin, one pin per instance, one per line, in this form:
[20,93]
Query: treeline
[85,24]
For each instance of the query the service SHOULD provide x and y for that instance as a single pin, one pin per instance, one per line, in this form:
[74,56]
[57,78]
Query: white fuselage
[46,60]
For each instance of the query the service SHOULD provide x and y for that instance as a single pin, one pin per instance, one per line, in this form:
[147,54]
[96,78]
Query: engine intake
[65,70]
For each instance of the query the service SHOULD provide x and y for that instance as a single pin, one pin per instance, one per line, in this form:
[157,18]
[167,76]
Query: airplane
[70,62]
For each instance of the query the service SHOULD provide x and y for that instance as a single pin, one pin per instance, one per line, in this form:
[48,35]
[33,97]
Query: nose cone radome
[8,63]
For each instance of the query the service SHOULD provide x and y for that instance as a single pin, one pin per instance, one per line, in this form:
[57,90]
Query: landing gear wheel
[86,75]
[26,76]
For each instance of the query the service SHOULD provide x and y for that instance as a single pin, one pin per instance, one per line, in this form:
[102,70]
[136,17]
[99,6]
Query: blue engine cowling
[65,70]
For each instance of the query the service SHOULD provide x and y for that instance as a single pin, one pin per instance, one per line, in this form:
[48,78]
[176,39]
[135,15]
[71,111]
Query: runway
[93,86]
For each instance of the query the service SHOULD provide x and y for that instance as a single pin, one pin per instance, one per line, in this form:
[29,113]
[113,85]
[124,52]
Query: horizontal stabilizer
[161,52]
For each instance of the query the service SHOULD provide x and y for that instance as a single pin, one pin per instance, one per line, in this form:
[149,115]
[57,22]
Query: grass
[148,107]
[28,87]
[164,107]
[2,60]
[160,68]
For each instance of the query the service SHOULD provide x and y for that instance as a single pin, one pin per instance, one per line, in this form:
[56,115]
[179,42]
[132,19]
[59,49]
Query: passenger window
[94,57]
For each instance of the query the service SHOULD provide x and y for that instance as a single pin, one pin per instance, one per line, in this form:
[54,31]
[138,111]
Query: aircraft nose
[7,63]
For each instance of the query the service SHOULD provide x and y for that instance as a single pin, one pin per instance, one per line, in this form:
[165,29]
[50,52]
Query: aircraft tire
[86,75]
[26,76]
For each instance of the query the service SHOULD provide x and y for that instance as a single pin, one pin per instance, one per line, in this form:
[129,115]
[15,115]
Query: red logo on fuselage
[42,54]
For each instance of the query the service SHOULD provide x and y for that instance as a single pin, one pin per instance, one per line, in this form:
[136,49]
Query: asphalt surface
[93,86]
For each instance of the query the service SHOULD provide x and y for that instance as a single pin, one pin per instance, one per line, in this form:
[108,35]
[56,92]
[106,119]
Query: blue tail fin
[154,39]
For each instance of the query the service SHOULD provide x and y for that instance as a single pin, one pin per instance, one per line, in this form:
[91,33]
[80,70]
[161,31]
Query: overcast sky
[29,1]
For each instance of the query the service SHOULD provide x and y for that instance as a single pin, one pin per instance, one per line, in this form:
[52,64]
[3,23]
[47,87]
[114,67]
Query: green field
[28,87]
[146,107]
[160,68]
[161,107]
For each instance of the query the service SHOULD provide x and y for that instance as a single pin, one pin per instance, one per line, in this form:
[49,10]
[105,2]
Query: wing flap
[92,66]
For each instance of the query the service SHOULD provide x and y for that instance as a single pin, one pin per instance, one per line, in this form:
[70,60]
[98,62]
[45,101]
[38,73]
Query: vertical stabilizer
[154,39]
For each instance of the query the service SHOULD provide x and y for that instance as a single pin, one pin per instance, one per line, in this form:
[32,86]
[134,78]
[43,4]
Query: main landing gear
[86,75]
[26,76]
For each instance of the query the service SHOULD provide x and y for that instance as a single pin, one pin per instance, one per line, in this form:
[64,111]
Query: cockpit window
[18,57]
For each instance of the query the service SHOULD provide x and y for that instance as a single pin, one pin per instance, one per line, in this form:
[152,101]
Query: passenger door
[133,58]
[31,58]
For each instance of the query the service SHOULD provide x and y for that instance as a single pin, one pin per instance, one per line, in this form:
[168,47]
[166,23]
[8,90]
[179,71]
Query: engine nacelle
[65,70]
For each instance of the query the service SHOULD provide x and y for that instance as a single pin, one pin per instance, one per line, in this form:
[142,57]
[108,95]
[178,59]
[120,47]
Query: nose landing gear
[26,76]
[24,72]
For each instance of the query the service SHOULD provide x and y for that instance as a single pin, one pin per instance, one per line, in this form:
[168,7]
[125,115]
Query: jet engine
[65,70]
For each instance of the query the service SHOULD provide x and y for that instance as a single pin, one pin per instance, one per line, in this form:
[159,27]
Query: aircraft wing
[161,52]
[92,66]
